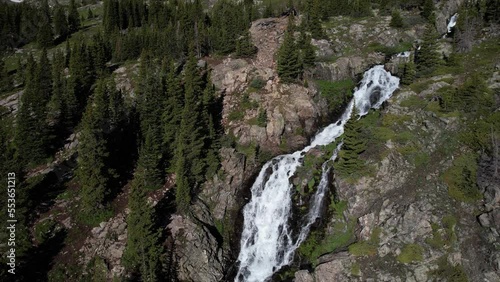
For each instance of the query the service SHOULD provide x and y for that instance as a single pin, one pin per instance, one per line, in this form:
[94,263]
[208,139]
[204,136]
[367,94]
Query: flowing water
[267,240]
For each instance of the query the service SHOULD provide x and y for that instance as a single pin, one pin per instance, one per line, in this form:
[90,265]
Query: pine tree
[244,45]
[172,112]
[58,89]
[45,36]
[143,249]
[289,66]
[92,168]
[308,53]
[5,82]
[428,58]
[492,13]
[111,16]
[313,20]
[409,73]
[191,130]
[61,23]
[73,17]
[150,160]
[428,10]
[32,128]
[353,145]
[396,19]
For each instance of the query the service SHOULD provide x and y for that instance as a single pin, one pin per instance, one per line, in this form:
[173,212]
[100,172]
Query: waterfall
[452,22]
[267,242]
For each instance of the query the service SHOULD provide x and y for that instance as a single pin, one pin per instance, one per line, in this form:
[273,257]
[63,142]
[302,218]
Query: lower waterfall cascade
[267,241]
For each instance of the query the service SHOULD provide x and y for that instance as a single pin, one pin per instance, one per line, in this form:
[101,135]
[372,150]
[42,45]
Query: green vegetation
[367,248]
[443,238]
[461,179]
[448,272]
[289,65]
[396,19]
[337,94]
[45,230]
[349,162]
[411,253]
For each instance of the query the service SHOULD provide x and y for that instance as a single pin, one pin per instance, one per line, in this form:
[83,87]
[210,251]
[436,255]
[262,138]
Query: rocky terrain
[402,223]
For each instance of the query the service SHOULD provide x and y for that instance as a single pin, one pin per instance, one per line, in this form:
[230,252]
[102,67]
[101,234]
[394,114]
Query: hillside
[225,140]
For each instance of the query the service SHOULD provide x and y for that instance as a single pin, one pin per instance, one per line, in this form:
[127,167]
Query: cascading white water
[267,242]
[452,22]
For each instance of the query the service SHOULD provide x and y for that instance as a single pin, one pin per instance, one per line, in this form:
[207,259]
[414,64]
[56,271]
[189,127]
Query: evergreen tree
[409,73]
[143,249]
[32,128]
[428,10]
[61,23]
[191,140]
[492,13]
[313,20]
[92,168]
[111,19]
[211,144]
[172,112]
[73,17]
[244,45]
[58,89]
[428,58]
[5,82]
[289,66]
[45,36]
[308,53]
[396,19]
[349,161]
[150,160]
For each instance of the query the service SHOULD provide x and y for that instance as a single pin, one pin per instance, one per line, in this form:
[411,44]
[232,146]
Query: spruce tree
[428,10]
[289,66]
[191,129]
[308,53]
[32,128]
[244,45]
[150,160]
[92,171]
[73,17]
[5,82]
[143,249]
[172,112]
[409,73]
[45,36]
[353,145]
[58,89]
[313,20]
[492,13]
[428,57]
[61,23]
[396,19]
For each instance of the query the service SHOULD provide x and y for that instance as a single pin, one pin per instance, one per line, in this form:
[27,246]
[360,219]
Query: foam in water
[267,242]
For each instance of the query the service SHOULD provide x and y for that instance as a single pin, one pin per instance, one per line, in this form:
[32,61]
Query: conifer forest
[250,140]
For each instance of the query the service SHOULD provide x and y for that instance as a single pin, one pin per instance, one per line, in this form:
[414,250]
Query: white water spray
[452,22]
[267,242]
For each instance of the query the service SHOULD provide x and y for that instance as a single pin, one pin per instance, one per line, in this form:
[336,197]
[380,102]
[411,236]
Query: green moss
[336,93]
[45,230]
[411,253]
[317,245]
[363,248]
[355,269]
[442,238]
[447,272]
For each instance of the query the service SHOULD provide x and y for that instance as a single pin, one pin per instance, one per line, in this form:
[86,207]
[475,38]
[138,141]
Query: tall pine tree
[289,66]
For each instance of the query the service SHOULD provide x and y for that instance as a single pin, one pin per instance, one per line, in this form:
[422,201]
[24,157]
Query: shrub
[447,272]
[337,94]
[257,83]
[45,230]
[396,19]
[411,253]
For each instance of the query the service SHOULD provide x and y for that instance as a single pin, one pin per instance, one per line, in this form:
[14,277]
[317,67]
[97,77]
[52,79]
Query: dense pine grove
[171,123]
